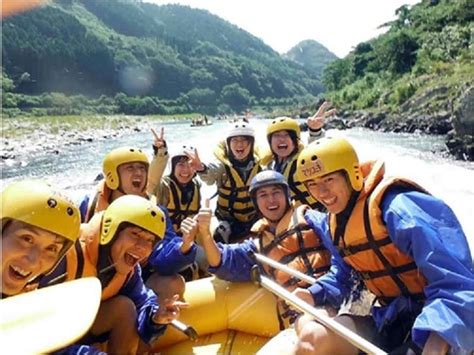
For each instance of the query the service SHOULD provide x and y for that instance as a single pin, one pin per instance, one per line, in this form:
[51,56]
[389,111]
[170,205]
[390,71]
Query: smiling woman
[39,225]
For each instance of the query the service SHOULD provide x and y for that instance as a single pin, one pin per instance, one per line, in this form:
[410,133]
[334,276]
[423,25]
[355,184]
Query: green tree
[236,97]
[7,83]
[201,97]
[397,51]
[337,74]
[363,55]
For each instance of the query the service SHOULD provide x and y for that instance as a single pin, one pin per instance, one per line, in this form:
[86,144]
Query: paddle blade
[48,319]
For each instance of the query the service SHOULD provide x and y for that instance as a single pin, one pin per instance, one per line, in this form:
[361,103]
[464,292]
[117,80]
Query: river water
[76,167]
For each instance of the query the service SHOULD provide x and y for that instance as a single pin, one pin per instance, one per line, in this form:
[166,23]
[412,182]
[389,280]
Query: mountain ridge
[312,55]
[177,55]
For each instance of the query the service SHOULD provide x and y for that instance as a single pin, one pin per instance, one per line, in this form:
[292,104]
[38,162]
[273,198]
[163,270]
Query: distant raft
[201,124]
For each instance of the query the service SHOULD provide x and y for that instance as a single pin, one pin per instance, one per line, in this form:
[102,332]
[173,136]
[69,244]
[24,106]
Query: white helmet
[241,129]
[180,153]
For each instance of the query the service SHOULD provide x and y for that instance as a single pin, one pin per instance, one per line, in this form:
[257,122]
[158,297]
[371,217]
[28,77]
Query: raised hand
[213,253]
[316,122]
[194,160]
[189,228]
[204,218]
[159,140]
[169,310]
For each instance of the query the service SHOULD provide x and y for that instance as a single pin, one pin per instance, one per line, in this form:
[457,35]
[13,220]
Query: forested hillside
[428,45]
[312,55]
[133,57]
[417,77]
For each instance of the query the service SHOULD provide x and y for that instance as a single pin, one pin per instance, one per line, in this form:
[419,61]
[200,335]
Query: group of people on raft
[313,207]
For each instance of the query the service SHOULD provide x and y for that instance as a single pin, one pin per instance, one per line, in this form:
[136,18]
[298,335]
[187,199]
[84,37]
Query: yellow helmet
[283,124]
[39,204]
[117,157]
[135,210]
[328,155]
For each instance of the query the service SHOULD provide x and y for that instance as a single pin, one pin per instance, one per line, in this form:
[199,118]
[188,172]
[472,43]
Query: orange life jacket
[294,244]
[366,246]
[82,259]
[100,201]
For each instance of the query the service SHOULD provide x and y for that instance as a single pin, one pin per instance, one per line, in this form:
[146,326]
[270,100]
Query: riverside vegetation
[128,57]
[417,77]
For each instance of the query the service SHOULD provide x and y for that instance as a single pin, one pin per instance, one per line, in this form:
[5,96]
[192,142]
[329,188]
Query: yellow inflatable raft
[230,318]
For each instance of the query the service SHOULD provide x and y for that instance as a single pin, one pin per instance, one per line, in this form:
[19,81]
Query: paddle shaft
[189,331]
[330,323]
[276,265]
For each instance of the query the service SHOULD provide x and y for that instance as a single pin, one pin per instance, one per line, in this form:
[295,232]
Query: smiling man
[112,246]
[281,234]
[125,171]
[39,225]
[405,244]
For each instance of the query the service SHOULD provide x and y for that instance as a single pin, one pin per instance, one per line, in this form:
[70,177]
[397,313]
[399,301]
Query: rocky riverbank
[452,118]
[431,112]
[50,139]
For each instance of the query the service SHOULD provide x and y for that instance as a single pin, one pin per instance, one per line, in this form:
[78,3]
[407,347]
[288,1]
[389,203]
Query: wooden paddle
[48,319]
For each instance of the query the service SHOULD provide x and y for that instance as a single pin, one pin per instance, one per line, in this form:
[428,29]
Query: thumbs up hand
[189,228]
[204,219]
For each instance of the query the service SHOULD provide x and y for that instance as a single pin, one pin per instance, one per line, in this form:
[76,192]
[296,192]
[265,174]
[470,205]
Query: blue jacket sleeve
[236,264]
[167,258]
[334,286]
[425,228]
[147,305]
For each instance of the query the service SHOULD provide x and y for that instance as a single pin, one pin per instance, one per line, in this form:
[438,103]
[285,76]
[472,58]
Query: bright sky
[339,25]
